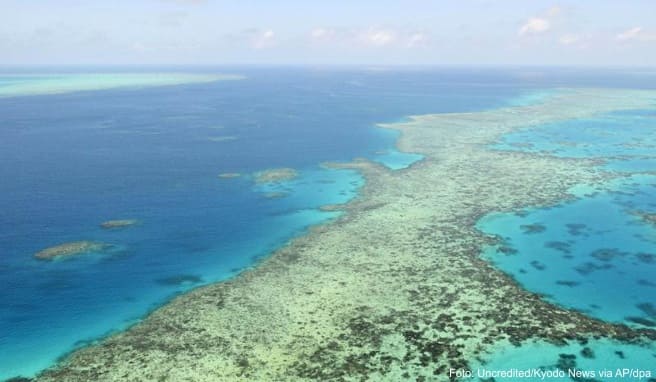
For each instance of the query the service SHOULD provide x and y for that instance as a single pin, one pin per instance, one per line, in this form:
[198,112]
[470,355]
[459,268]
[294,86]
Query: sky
[336,32]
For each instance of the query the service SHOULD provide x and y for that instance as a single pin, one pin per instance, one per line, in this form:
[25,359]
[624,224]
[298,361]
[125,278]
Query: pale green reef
[39,84]
[392,290]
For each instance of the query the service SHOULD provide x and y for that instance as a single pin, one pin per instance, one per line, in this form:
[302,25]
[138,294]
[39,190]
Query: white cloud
[570,39]
[263,39]
[417,39]
[323,34]
[378,37]
[554,11]
[534,25]
[374,37]
[540,23]
[636,34]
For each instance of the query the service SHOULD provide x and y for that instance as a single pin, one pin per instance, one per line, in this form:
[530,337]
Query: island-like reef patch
[70,249]
[275,175]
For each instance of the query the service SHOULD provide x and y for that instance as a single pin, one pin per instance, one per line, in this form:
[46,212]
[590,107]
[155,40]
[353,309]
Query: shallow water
[595,253]
[591,254]
[588,361]
[49,83]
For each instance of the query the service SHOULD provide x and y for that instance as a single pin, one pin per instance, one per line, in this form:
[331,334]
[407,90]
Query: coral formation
[394,289]
[70,249]
[121,223]
[275,175]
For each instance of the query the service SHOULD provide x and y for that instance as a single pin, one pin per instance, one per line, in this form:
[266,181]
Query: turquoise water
[71,161]
[595,253]
[619,134]
[591,254]
[593,360]
[49,83]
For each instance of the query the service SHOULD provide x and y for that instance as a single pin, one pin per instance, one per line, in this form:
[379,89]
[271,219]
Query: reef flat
[395,289]
[70,249]
[26,85]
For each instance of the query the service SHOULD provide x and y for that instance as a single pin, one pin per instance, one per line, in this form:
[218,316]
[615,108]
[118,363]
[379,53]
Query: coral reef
[70,249]
[275,175]
[394,289]
[229,175]
[121,223]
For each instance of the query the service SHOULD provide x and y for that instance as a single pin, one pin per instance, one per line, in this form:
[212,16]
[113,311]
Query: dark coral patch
[586,352]
[561,246]
[575,229]
[587,268]
[538,265]
[648,308]
[642,321]
[566,362]
[533,228]
[647,258]
[607,254]
[568,283]
[506,250]
[179,280]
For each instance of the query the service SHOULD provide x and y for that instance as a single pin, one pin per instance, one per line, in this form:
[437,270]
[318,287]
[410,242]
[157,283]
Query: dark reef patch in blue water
[180,280]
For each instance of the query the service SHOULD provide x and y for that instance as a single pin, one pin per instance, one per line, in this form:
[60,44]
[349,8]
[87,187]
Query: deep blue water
[69,162]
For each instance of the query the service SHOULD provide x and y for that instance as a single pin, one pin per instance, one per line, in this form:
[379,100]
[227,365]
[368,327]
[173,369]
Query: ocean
[70,161]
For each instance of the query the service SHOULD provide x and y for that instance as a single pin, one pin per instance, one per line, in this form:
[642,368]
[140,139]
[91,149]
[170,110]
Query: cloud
[373,37]
[323,34]
[377,37]
[570,39]
[534,25]
[417,39]
[261,39]
[636,34]
[553,11]
[540,23]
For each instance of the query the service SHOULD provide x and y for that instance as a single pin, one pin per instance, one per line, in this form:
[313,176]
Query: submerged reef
[275,175]
[647,217]
[58,83]
[222,138]
[394,289]
[229,175]
[332,207]
[276,195]
[121,223]
[70,249]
